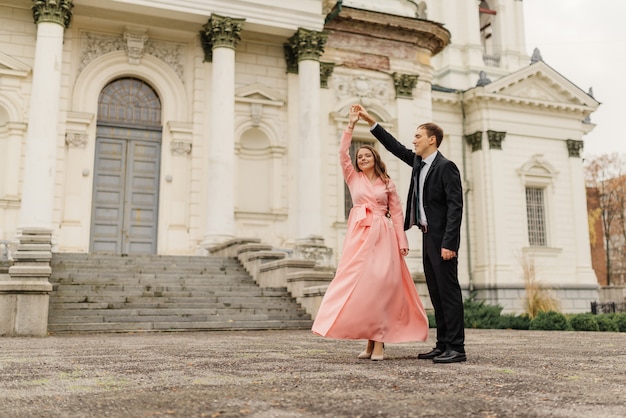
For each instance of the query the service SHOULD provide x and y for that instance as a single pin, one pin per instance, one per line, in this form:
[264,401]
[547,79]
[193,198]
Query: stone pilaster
[404,84]
[574,147]
[326,70]
[495,139]
[475,140]
[220,32]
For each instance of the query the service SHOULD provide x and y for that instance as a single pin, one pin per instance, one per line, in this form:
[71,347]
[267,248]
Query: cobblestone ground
[297,374]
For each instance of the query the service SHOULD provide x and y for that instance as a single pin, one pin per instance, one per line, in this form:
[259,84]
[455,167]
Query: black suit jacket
[443,192]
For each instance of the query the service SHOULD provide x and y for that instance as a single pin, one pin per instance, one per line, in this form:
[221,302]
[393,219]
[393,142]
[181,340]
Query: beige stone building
[166,127]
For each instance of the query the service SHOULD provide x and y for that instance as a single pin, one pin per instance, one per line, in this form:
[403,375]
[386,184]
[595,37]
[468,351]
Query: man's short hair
[433,129]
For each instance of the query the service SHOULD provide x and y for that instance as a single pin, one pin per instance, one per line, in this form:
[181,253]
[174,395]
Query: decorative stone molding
[55,11]
[220,32]
[77,124]
[135,44]
[574,147]
[326,70]
[495,139]
[304,45]
[363,88]
[475,140]
[182,137]
[404,84]
[76,139]
[94,45]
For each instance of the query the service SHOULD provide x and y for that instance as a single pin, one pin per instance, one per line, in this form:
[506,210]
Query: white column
[309,215]
[221,169]
[41,140]
[219,40]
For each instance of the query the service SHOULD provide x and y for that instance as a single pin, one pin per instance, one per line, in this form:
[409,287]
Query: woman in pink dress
[372,296]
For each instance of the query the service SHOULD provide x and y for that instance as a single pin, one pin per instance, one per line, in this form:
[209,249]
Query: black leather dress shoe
[450,356]
[431,354]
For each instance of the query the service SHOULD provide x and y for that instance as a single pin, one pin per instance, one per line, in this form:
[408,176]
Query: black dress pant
[445,294]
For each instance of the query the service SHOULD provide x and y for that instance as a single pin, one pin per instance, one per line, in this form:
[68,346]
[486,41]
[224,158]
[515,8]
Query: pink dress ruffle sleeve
[372,296]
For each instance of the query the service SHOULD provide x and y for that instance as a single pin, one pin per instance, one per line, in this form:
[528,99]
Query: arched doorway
[126,171]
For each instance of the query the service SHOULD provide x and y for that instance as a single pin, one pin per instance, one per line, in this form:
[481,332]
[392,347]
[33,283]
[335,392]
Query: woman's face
[365,159]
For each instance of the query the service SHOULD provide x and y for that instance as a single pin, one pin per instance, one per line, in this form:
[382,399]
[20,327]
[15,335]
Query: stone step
[176,318]
[258,304]
[100,293]
[179,326]
[165,291]
[173,311]
[147,280]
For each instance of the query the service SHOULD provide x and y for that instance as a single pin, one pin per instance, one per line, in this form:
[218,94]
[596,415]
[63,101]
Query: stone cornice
[422,33]
[55,11]
[478,95]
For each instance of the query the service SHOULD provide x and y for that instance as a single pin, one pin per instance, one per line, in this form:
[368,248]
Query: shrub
[607,322]
[584,322]
[431,320]
[481,315]
[620,320]
[549,321]
[511,321]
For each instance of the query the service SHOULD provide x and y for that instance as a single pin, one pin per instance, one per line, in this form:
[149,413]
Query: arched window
[487,23]
[538,177]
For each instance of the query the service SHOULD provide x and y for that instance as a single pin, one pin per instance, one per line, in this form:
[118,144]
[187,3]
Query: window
[355,145]
[487,18]
[535,211]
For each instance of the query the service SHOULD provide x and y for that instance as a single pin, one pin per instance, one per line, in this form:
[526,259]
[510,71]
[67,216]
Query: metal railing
[607,307]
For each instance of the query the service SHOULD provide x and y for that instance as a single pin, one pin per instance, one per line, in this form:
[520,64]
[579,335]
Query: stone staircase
[105,293]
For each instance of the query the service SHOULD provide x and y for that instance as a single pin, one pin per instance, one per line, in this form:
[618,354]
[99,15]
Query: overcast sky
[585,41]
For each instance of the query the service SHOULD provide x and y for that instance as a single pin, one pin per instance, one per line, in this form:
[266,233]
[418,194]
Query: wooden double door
[125,203]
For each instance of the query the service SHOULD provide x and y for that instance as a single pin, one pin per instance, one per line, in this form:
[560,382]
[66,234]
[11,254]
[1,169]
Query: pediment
[541,83]
[259,93]
[13,66]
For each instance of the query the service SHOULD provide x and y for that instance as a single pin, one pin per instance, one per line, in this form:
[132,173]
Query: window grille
[535,211]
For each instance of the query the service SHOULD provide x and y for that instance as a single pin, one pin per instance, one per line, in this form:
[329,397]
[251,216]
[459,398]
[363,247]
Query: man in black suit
[435,205]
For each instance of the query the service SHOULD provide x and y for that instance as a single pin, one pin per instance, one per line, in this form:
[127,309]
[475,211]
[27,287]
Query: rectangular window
[354,145]
[535,212]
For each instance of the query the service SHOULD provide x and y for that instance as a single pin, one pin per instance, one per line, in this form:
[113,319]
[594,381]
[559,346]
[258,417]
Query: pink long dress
[372,296]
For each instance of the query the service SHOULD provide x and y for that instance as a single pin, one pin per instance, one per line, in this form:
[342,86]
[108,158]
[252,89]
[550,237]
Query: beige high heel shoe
[378,352]
[365,355]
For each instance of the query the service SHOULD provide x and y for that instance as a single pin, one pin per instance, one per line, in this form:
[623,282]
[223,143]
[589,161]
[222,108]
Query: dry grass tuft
[538,298]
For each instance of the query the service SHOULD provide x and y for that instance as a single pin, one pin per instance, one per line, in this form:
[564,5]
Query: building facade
[166,127]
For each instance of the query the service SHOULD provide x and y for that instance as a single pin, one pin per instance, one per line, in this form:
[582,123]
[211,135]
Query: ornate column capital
[475,140]
[495,139]
[404,84]
[326,70]
[220,32]
[304,45]
[574,147]
[55,11]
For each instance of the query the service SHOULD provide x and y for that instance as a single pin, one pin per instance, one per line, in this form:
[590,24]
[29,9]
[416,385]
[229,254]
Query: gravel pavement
[297,374]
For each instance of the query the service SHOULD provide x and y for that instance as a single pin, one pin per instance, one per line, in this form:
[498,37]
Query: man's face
[422,142]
